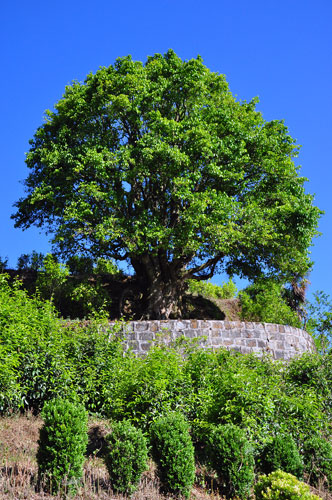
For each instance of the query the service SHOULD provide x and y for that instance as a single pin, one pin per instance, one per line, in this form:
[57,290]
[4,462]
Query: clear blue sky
[279,50]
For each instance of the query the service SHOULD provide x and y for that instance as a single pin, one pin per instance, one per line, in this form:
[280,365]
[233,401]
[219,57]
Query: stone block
[167,324]
[279,354]
[141,326]
[226,343]
[203,332]
[204,324]
[130,335]
[251,342]
[133,345]
[182,325]
[261,344]
[234,334]
[163,338]
[237,325]
[256,350]
[277,336]
[219,341]
[258,333]
[218,325]
[125,328]
[154,326]
[146,336]
[271,328]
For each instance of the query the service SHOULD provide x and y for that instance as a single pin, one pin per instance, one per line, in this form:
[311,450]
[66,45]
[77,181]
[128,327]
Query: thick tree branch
[191,273]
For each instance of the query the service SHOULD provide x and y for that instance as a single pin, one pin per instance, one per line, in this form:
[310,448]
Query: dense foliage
[319,320]
[43,356]
[62,445]
[232,458]
[317,454]
[207,289]
[280,485]
[265,301]
[157,164]
[282,453]
[125,456]
[173,452]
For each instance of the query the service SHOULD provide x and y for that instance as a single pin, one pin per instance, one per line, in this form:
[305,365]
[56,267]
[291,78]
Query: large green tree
[157,164]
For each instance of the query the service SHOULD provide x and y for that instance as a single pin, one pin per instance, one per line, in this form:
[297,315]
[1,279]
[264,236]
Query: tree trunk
[162,286]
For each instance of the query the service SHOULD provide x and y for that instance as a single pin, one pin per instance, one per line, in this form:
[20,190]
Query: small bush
[280,485]
[62,444]
[232,458]
[173,452]
[125,456]
[317,455]
[282,453]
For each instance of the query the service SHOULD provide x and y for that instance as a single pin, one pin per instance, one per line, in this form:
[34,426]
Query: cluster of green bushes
[63,440]
[228,452]
[42,356]
[224,397]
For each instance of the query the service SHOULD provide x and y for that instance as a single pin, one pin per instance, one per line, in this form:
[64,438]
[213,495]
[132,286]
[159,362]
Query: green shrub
[62,443]
[264,301]
[125,456]
[173,452]
[10,393]
[280,485]
[282,453]
[306,370]
[89,299]
[149,387]
[232,458]
[32,349]
[317,456]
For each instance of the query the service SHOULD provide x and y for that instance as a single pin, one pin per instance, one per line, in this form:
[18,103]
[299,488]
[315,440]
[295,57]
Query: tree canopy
[157,164]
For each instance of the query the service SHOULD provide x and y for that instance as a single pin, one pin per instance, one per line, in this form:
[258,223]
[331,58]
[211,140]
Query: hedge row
[228,452]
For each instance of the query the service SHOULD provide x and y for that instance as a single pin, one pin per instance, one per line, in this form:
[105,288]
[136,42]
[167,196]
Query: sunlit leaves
[161,159]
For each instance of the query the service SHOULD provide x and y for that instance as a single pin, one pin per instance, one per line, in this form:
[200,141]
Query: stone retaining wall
[280,341]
